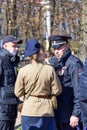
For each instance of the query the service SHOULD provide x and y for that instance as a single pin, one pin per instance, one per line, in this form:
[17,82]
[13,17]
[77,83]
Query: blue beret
[32,47]
[57,40]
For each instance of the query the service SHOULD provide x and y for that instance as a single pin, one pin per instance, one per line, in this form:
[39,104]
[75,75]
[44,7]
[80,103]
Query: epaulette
[74,59]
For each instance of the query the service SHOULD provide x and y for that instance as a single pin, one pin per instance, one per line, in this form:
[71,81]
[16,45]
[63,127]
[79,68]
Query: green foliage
[20,128]
[74,45]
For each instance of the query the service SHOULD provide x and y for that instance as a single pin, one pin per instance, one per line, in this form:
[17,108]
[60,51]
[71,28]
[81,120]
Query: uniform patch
[64,67]
[61,71]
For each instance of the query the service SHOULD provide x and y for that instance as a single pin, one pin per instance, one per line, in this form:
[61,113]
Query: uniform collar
[65,56]
[9,56]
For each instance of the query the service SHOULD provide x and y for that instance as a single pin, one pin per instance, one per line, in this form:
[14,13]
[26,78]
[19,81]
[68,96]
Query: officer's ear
[5,45]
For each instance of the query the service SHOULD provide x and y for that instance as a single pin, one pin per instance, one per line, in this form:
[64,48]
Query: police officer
[8,72]
[68,68]
[83,95]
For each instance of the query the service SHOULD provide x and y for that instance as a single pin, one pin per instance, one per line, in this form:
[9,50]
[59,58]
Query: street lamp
[47,21]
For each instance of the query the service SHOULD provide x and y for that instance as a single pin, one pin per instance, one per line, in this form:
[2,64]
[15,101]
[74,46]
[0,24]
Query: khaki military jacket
[47,84]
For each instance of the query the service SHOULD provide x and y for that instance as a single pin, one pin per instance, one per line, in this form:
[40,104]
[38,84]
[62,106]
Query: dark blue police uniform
[68,69]
[83,95]
[8,72]
[8,101]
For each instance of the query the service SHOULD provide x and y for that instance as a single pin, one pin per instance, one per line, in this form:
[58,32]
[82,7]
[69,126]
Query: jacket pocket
[8,96]
[9,77]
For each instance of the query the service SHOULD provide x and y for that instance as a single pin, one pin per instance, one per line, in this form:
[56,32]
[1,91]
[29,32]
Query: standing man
[8,72]
[83,95]
[68,68]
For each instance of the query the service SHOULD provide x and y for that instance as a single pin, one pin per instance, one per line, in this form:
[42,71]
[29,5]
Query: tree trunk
[83,48]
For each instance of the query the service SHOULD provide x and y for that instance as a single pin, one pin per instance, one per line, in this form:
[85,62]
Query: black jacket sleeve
[76,73]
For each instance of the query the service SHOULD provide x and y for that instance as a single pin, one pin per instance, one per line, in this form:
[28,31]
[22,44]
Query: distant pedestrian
[42,53]
[37,82]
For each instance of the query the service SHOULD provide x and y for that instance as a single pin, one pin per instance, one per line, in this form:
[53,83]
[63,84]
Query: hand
[74,121]
[20,107]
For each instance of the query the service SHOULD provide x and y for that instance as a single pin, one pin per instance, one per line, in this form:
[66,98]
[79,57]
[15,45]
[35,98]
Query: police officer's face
[59,52]
[11,47]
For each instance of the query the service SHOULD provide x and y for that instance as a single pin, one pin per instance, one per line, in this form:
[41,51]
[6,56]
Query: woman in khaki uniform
[36,82]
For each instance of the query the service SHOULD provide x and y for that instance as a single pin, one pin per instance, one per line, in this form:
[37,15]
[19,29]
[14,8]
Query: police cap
[11,38]
[57,40]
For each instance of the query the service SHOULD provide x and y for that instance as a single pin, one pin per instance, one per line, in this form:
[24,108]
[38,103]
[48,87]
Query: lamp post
[47,21]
